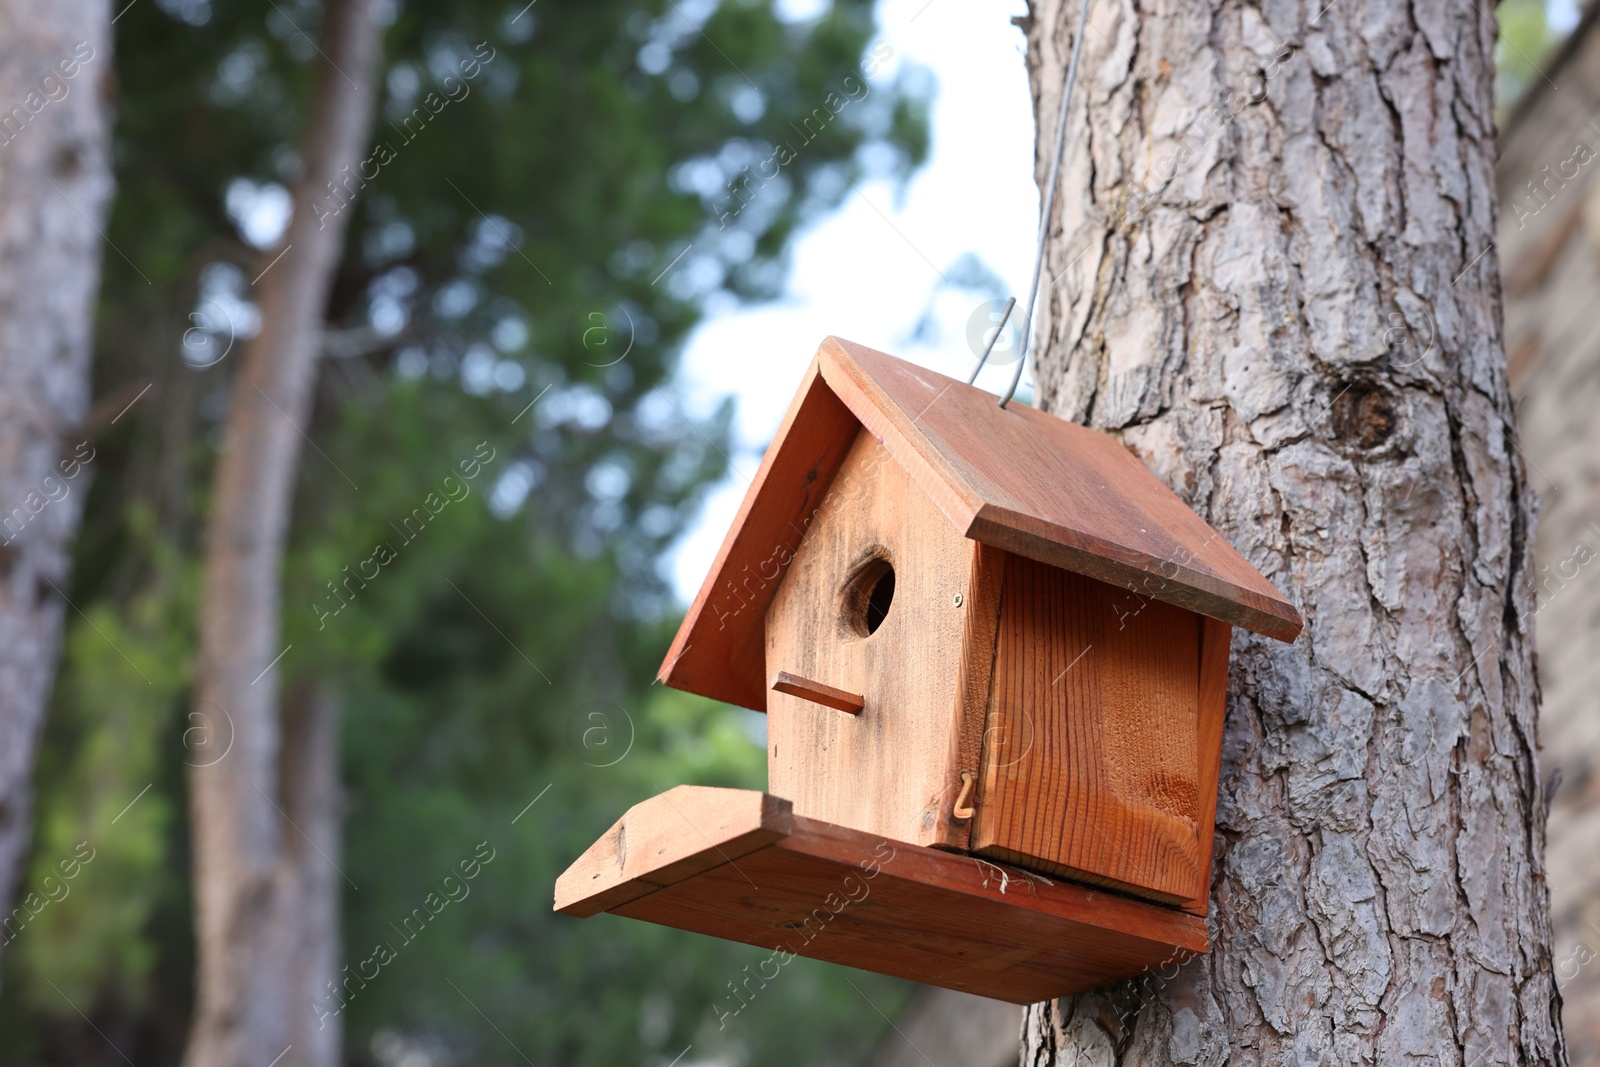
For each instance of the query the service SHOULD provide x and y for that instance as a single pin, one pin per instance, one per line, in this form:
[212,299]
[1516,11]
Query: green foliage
[94,804]
[477,579]
[1525,40]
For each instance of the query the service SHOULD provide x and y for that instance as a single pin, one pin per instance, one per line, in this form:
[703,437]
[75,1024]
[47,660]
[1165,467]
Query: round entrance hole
[867,596]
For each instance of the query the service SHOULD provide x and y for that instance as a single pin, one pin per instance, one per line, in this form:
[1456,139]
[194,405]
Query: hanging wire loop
[1046,214]
[1005,316]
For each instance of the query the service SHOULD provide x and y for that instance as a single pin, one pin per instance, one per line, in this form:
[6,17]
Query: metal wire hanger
[1044,223]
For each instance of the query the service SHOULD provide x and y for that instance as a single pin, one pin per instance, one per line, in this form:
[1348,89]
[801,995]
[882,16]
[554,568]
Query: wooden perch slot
[817,693]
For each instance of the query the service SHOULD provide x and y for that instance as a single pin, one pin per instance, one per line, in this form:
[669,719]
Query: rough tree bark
[55,184]
[251,867]
[1272,279]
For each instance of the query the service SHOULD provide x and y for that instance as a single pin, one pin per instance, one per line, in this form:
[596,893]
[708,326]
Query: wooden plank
[718,651]
[980,880]
[667,838]
[978,637]
[1215,640]
[1051,490]
[1091,768]
[886,770]
[856,899]
[817,693]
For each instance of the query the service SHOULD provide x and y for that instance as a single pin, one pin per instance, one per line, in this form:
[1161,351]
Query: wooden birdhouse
[993,652]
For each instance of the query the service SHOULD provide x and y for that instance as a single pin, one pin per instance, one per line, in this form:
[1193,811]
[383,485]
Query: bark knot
[1364,416]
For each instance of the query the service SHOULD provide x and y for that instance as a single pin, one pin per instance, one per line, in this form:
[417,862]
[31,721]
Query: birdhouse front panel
[1091,763]
[871,605]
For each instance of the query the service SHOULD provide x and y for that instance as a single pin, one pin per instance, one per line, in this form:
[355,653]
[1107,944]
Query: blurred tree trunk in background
[1273,281]
[55,184]
[309,778]
[251,849]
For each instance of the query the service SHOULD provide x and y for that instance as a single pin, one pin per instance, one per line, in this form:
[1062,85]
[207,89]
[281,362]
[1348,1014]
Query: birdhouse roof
[1015,478]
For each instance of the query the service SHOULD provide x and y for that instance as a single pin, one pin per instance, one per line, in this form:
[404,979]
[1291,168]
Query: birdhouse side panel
[1091,762]
[974,679]
[1216,639]
[872,606]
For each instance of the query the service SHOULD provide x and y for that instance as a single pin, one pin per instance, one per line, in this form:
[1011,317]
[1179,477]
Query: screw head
[958,600]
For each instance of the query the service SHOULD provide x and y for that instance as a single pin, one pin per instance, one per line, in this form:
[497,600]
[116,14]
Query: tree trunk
[312,800]
[246,865]
[1271,278]
[55,183]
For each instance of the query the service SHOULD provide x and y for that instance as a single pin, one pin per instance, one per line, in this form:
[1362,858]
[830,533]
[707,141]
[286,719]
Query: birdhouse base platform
[739,864]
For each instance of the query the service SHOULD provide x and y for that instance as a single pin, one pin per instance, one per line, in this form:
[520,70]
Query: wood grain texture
[835,894]
[1091,767]
[718,651]
[826,695]
[667,838]
[1212,710]
[886,770]
[978,637]
[1020,479]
